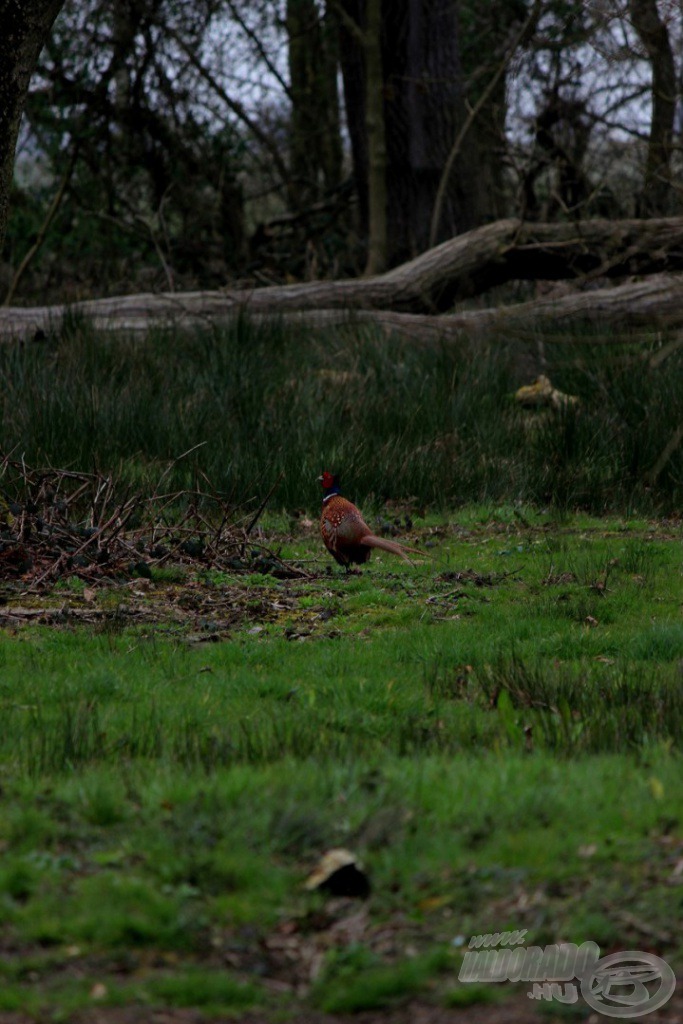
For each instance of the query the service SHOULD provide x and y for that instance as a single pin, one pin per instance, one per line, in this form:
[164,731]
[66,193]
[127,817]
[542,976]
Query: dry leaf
[542,393]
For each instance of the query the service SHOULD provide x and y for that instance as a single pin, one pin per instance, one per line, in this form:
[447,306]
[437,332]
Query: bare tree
[425,107]
[402,122]
[375,126]
[157,170]
[315,138]
[25,27]
[656,194]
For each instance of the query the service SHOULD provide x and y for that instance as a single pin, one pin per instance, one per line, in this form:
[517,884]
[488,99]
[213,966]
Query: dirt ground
[515,1010]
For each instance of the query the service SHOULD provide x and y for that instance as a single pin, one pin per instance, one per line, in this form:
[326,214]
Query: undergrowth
[268,405]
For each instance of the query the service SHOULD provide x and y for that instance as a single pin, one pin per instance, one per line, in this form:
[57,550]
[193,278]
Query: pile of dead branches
[56,523]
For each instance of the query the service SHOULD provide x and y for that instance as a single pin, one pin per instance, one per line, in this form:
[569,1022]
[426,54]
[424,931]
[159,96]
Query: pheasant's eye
[327,479]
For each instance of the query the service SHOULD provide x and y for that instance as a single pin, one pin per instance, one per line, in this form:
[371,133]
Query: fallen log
[653,304]
[430,284]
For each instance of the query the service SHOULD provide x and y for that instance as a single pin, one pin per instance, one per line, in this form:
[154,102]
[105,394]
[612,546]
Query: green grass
[494,759]
[215,992]
[354,979]
[495,731]
[205,864]
[554,636]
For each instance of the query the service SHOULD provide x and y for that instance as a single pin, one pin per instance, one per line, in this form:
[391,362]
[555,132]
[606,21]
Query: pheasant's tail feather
[370,541]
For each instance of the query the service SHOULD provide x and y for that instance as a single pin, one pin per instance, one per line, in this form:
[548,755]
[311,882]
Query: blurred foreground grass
[499,745]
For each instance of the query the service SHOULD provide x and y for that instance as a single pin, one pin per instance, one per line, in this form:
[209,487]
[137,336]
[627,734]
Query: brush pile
[56,523]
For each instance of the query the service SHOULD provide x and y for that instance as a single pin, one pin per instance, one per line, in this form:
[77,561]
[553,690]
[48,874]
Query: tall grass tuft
[437,422]
[570,710]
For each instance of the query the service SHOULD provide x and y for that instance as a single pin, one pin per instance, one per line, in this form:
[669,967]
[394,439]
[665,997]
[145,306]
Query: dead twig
[263,504]
[61,522]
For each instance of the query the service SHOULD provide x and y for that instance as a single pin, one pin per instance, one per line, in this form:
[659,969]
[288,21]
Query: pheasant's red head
[330,482]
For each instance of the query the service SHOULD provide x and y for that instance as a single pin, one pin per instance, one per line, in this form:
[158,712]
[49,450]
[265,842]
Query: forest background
[174,147]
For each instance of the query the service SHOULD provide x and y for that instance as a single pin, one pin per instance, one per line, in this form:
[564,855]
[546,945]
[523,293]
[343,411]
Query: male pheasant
[345,534]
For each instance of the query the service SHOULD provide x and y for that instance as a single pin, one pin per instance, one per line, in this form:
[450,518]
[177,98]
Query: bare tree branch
[44,227]
[236,107]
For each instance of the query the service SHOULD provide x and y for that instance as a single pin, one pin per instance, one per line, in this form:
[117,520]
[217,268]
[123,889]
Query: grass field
[499,745]
[494,731]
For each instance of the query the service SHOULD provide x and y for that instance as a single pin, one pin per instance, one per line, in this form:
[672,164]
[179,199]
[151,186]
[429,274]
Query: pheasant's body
[345,534]
[343,529]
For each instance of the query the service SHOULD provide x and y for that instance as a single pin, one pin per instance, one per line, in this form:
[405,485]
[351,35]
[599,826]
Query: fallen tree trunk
[431,283]
[654,303]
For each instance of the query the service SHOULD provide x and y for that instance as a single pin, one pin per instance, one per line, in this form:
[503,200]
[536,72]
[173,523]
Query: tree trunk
[460,268]
[315,142]
[423,106]
[656,196]
[352,61]
[376,140]
[25,25]
[486,32]
[424,110]
[332,150]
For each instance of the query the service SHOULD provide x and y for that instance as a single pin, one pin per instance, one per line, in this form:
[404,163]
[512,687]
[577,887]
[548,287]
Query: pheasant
[345,534]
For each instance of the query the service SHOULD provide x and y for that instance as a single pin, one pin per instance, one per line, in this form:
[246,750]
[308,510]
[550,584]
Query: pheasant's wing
[342,521]
[351,528]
